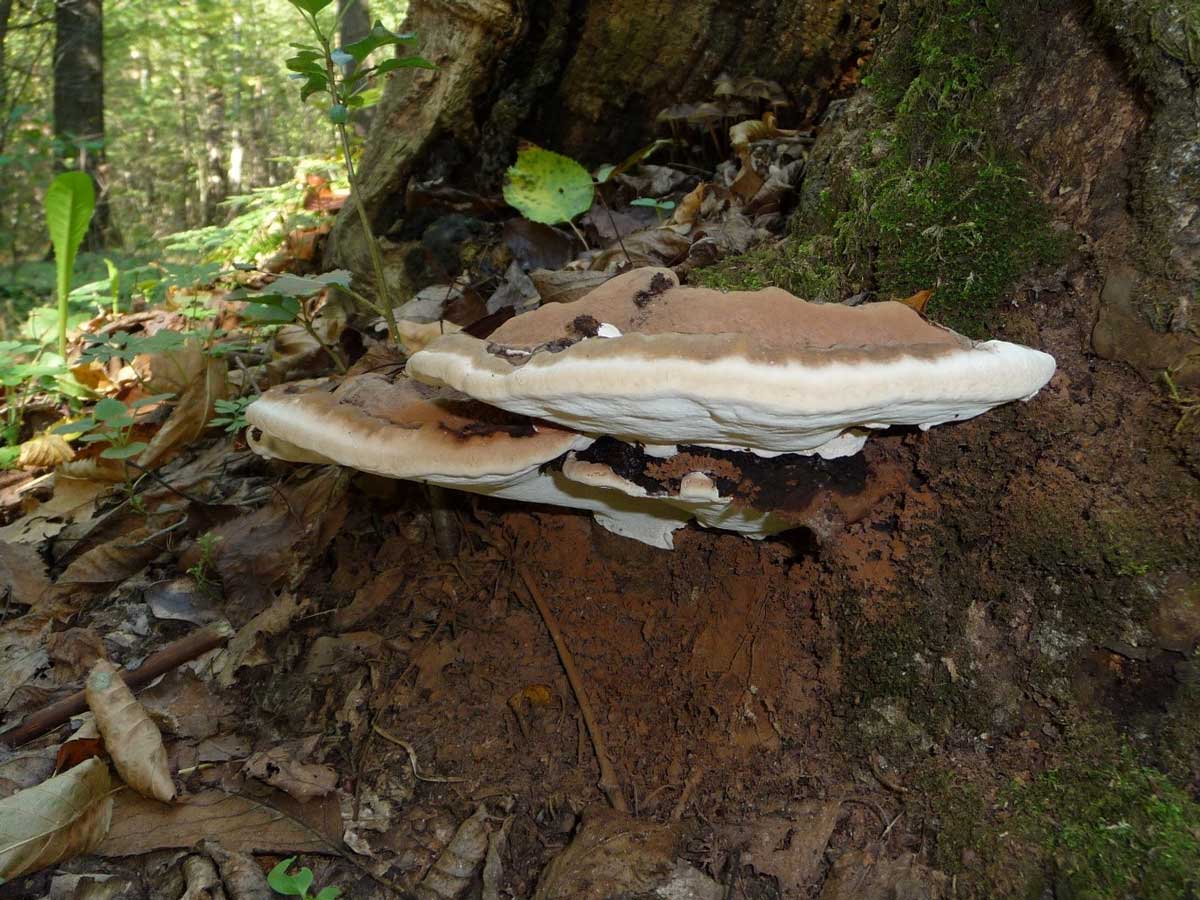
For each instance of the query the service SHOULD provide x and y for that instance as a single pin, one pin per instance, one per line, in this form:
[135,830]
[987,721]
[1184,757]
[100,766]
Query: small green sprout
[231,414]
[297,885]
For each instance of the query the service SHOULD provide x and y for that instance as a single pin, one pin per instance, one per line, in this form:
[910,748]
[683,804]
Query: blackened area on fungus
[658,285]
[488,421]
[585,326]
[786,483]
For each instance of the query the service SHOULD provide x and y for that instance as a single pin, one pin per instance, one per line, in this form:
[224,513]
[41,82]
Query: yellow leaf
[65,816]
[45,450]
[918,301]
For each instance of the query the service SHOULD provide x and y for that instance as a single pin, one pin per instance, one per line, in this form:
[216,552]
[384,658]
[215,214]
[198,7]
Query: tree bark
[356,25]
[586,78]
[79,101]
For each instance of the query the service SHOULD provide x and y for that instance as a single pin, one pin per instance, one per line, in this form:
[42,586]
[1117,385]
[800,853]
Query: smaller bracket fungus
[761,371]
[399,428]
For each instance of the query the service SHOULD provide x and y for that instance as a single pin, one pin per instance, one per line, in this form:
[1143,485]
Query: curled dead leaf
[301,780]
[45,450]
[64,816]
[918,301]
[132,740]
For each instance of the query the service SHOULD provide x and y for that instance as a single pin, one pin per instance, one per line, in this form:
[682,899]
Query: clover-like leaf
[289,885]
[109,409]
[404,62]
[312,7]
[125,452]
[548,187]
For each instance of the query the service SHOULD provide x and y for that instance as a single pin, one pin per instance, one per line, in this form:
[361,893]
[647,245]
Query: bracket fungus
[634,402]
[760,371]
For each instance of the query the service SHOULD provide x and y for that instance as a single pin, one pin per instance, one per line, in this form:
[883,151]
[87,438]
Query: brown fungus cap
[644,359]
[400,428]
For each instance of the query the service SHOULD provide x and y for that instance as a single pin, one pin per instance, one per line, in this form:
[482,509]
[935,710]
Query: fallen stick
[158,663]
[608,778]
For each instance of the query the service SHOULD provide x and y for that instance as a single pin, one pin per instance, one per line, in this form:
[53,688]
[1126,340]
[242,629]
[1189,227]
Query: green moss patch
[1112,829]
[932,198]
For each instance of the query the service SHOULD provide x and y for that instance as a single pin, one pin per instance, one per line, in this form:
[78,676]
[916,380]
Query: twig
[608,777]
[412,758]
[169,657]
[613,223]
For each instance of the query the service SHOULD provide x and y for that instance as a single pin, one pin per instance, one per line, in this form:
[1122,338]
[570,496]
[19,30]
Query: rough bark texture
[79,98]
[586,78]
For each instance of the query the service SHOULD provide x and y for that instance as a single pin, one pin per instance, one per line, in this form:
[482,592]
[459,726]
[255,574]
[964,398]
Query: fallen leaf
[75,651]
[22,655]
[106,565]
[74,500]
[368,599]
[918,301]
[791,848]
[191,413]
[132,740]
[688,209]
[566,286]
[301,780]
[66,816]
[77,751]
[868,875]
[246,649]
[23,573]
[245,824]
[45,451]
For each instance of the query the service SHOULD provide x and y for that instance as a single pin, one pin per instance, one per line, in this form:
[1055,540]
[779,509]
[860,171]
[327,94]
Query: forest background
[184,113]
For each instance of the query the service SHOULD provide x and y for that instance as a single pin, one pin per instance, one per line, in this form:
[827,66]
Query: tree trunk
[586,78]
[356,25]
[79,100]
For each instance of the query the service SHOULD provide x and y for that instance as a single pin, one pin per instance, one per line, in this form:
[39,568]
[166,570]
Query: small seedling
[112,422]
[659,206]
[297,884]
[204,569]
[231,414]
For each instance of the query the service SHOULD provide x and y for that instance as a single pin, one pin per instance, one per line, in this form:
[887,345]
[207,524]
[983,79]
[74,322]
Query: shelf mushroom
[399,428]
[644,359]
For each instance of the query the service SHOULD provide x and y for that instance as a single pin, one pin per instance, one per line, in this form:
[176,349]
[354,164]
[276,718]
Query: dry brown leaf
[94,376]
[190,416]
[22,655]
[918,301]
[565,286]
[246,648]
[275,545]
[369,598]
[74,500]
[66,816]
[301,780]
[75,651]
[416,335]
[274,824]
[22,574]
[44,451]
[132,740]
[107,564]
[688,209]
[94,468]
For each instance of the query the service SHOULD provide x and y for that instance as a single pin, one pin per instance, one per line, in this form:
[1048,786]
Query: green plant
[1188,405]
[22,373]
[343,77]
[548,187]
[297,885]
[659,206]
[70,202]
[112,422]
[114,285]
[231,414]
[287,299]
[204,569]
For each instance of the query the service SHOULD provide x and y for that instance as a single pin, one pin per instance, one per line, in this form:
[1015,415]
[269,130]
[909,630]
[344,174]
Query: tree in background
[79,101]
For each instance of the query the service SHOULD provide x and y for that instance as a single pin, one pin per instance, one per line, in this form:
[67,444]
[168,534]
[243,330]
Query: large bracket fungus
[634,402]
[645,360]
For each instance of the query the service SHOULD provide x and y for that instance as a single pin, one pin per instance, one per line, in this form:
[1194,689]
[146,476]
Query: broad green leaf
[406,62]
[126,452]
[296,885]
[379,37]
[312,7]
[280,313]
[652,203]
[300,286]
[312,86]
[61,818]
[109,408]
[79,426]
[548,187]
[329,893]
[70,202]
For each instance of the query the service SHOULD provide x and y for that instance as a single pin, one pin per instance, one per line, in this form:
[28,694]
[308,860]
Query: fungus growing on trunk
[761,371]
